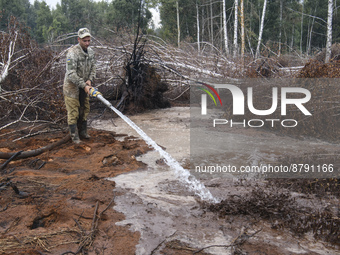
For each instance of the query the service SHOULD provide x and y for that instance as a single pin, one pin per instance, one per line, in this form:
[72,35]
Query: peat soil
[48,202]
[100,198]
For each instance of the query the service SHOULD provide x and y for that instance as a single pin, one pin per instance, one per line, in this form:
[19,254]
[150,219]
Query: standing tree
[242,29]
[15,8]
[280,31]
[261,29]
[302,14]
[211,22]
[13,48]
[198,27]
[329,31]
[225,31]
[181,19]
[178,25]
[44,21]
[235,27]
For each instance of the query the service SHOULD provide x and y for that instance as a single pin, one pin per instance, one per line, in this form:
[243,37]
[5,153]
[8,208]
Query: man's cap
[83,32]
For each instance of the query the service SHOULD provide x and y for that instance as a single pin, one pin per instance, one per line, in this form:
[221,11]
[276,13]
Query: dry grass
[44,242]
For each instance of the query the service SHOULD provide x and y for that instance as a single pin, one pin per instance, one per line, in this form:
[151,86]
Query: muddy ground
[53,211]
[48,202]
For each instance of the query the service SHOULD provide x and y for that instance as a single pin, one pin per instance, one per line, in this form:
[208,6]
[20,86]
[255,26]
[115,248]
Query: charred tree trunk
[142,87]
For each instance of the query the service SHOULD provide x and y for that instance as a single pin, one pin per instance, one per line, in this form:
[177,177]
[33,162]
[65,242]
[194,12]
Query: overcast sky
[51,3]
[155,14]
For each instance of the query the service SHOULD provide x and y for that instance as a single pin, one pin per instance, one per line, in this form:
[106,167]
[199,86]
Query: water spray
[182,174]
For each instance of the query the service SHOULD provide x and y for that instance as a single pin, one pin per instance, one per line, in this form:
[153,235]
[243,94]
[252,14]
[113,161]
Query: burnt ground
[51,209]
[48,203]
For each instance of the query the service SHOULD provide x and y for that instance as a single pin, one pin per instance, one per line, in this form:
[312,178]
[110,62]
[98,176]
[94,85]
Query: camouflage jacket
[80,67]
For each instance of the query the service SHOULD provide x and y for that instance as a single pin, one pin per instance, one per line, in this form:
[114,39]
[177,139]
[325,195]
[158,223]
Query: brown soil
[52,209]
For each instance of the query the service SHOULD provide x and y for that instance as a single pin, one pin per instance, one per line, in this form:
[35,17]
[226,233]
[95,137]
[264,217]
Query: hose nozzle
[94,92]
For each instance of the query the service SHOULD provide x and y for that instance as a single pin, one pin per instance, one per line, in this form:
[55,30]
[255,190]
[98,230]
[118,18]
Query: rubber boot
[83,130]
[74,133]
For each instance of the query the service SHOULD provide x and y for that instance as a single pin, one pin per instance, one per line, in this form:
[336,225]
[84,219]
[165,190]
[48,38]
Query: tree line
[68,16]
[281,26]
[233,26]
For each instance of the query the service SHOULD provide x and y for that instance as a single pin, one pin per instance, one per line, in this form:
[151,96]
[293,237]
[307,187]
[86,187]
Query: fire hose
[96,94]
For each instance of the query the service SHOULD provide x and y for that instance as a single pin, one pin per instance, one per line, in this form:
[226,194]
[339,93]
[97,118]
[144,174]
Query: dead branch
[20,118]
[31,134]
[33,153]
[87,237]
[94,217]
[10,159]
[108,206]
[51,62]
[161,243]
[173,99]
[239,240]
[13,50]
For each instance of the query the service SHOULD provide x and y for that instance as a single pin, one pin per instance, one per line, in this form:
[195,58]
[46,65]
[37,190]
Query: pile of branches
[263,68]
[319,69]
[321,187]
[318,187]
[134,71]
[30,95]
[139,72]
[171,63]
[282,210]
[174,66]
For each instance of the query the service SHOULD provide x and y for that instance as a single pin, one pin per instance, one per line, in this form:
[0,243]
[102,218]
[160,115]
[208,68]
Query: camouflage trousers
[77,109]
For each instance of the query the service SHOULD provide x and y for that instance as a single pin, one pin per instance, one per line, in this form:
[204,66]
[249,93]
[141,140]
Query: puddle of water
[182,174]
[155,202]
[162,209]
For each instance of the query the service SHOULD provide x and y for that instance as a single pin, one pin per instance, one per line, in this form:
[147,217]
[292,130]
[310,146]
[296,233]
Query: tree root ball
[143,89]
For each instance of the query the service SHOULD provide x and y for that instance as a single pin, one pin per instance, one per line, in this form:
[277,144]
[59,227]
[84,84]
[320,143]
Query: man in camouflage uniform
[80,73]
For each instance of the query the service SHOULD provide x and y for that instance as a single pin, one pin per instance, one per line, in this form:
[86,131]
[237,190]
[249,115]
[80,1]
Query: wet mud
[152,211]
[51,210]
[171,220]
